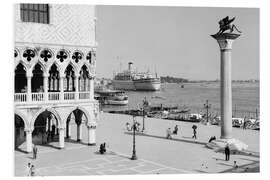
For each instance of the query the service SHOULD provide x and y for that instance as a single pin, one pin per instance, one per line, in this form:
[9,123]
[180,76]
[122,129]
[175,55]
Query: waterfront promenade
[156,155]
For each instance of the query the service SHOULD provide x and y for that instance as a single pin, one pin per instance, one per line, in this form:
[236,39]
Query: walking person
[34,152]
[169,133]
[227,153]
[194,127]
[175,131]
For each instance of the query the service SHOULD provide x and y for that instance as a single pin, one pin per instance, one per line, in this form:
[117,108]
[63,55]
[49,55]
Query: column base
[91,144]
[235,145]
[79,140]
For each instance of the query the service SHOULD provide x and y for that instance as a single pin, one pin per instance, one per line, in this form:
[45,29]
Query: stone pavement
[156,154]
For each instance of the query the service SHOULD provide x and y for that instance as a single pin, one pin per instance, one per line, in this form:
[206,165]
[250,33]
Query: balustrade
[69,95]
[84,95]
[20,97]
[52,96]
[37,96]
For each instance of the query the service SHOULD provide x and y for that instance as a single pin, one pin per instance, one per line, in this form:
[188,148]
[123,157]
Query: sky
[174,41]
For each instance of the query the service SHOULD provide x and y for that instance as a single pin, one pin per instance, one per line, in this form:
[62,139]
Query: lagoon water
[245,97]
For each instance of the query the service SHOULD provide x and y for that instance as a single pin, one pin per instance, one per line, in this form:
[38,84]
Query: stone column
[225,43]
[79,132]
[91,90]
[28,141]
[61,84]
[76,83]
[91,128]
[45,86]
[29,88]
[61,137]
[67,130]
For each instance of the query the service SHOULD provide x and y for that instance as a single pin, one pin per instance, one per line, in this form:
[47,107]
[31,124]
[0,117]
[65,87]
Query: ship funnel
[130,66]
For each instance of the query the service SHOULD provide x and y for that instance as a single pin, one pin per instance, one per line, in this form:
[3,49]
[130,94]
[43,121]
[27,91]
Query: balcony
[53,97]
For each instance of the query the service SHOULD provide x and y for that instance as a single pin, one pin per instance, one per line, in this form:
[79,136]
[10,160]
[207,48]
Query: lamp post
[134,156]
[207,106]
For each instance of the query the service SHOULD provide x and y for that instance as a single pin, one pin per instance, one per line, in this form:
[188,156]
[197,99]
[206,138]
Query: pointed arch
[84,110]
[23,63]
[41,64]
[75,69]
[51,110]
[50,66]
[24,118]
[85,64]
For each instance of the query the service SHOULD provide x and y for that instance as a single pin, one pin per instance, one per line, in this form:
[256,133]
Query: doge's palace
[54,69]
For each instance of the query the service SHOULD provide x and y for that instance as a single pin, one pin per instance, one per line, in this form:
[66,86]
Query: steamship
[131,80]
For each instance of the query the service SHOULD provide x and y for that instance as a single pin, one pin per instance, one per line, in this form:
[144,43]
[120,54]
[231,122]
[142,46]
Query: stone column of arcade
[45,85]
[91,128]
[29,87]
[61,137]
[76,84]
[91,90]
[225,41]
[28,140]
[61,84]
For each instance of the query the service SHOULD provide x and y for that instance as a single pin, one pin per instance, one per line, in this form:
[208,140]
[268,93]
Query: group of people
[169,133]
[30,169]
[102,148]
[130,128]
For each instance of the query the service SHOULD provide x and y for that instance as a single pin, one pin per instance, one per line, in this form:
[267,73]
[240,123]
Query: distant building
[55,61]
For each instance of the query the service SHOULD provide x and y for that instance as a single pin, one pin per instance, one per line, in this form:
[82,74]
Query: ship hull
[147,84]
[119,103]
[123,85]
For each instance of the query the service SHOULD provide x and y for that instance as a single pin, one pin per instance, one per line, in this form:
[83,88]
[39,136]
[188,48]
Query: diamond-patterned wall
[69,25]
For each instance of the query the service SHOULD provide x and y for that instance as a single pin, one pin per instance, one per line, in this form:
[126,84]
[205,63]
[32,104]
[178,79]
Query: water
[245,97]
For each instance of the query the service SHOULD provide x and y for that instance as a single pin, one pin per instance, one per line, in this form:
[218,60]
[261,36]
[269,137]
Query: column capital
[28,130]
[29,74]
[225,40]
[61,127]
[46,75]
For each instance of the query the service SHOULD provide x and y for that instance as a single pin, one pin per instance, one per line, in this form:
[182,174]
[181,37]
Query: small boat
[111,97]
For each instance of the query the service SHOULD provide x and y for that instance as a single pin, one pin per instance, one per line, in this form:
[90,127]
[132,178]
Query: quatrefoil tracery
[77,56]
[62,55]
[46,55]
[29,54]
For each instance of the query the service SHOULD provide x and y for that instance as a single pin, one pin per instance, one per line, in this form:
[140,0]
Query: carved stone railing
[37,97]
[51,97]
[20,97]
[69,95]
[54,96]
[84,95]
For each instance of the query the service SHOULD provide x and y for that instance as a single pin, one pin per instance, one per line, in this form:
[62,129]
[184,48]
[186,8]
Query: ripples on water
[245,97]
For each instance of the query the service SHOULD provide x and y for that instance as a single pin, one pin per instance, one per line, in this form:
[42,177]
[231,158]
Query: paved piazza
[156,155]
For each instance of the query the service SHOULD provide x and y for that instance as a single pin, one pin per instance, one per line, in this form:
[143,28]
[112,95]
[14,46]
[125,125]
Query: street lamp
[134,156]
[207,106]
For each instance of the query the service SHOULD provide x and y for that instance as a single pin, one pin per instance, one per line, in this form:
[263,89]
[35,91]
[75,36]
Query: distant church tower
[55,62]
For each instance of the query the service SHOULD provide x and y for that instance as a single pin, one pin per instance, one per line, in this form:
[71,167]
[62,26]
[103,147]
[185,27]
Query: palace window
[37,13]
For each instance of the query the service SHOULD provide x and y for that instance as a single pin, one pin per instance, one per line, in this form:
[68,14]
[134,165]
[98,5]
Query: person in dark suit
[227,153]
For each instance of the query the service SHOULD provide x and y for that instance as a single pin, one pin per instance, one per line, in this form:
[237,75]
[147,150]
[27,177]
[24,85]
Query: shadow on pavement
[20,150]
[255,167]
[75,141]
[173,139]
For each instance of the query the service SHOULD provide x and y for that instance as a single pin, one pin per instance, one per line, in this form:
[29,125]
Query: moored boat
[112,97]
